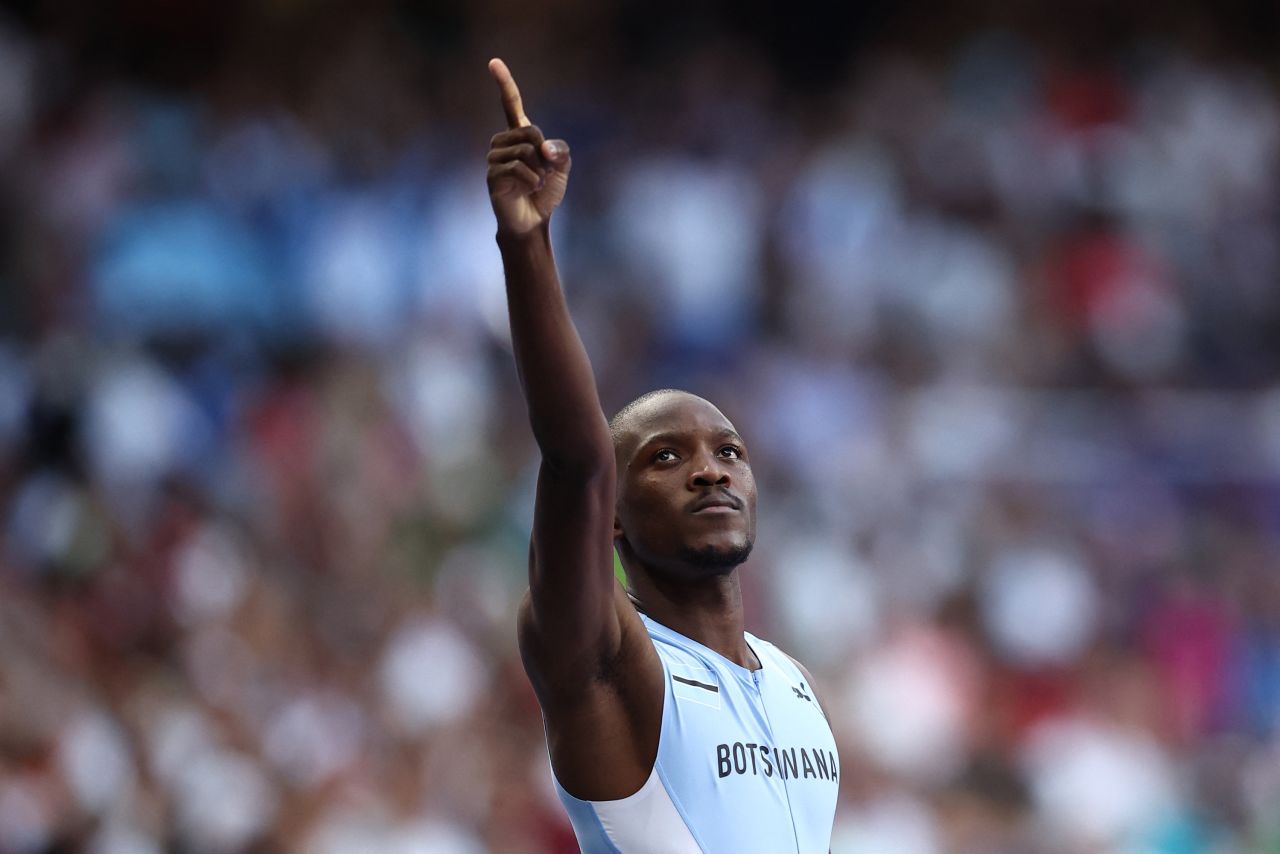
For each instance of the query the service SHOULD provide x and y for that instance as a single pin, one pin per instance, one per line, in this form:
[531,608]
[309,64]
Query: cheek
[750,497]
[646,504]
[653,489]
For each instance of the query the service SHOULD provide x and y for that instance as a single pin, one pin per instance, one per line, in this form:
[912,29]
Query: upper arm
[587,653]
[570,621]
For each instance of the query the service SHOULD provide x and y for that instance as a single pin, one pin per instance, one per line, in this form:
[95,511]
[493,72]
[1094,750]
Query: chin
[718,557]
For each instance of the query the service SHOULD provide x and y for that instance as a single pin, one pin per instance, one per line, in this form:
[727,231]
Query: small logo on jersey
[695,684]
[800,692]
[715,689]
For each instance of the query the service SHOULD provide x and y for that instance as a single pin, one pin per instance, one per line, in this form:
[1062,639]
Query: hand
[527,173]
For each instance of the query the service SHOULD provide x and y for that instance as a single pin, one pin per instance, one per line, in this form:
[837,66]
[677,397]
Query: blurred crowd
[999,320]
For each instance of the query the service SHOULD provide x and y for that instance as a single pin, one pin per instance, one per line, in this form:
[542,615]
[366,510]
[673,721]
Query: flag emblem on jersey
[696,685]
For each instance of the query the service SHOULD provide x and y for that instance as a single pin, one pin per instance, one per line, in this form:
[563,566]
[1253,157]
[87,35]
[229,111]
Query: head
[686,494]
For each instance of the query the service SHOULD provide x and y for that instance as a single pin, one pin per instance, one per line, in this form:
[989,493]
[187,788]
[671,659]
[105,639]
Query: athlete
[670,728]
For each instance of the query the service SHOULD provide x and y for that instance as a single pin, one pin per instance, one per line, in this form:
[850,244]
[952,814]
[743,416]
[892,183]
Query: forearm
[555,373]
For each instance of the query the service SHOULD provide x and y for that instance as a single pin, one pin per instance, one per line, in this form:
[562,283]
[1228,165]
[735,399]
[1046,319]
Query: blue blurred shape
[180,266]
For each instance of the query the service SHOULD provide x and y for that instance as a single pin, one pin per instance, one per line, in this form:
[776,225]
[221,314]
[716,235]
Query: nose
[709,471]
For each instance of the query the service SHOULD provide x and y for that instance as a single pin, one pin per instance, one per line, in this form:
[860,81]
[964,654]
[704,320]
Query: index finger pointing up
[511,103]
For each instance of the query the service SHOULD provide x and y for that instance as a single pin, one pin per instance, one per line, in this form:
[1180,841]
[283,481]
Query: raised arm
[570,614]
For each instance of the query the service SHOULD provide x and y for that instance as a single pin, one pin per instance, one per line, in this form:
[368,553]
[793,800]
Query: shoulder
[632,663]
[805,675]
[603,715]
[804,671]
[809,681]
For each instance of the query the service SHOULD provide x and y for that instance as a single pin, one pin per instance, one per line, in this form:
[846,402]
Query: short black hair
[617,422]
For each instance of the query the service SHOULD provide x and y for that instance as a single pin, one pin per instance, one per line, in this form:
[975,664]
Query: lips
[716,503]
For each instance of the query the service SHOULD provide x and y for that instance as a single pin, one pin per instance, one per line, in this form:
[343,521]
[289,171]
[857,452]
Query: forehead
[673,414]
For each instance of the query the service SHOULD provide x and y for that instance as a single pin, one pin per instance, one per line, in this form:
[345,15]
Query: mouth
[715,505]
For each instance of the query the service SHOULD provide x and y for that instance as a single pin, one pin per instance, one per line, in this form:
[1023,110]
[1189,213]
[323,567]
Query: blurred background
[992,290]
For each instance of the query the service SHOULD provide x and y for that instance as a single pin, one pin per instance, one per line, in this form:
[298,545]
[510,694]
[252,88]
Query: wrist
[538,234]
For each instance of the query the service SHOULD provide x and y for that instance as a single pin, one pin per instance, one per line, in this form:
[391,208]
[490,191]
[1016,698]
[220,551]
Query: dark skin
[675,495]
[686,501]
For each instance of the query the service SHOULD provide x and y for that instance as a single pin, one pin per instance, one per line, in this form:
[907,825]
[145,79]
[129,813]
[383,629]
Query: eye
[731,452]
[666,455]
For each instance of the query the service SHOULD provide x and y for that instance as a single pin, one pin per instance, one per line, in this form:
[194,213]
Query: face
[686,494]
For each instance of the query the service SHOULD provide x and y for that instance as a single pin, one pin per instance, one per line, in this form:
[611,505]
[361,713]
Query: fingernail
[556,150]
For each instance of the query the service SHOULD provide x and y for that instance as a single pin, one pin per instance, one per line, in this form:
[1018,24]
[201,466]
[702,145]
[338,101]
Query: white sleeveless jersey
[746,762]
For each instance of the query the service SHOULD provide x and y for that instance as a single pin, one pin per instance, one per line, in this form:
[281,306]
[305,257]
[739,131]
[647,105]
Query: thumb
[556,153]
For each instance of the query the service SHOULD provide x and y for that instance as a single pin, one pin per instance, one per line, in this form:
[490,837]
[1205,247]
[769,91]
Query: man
[670,728]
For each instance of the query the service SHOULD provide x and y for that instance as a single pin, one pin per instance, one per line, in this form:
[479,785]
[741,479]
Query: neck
[707,610]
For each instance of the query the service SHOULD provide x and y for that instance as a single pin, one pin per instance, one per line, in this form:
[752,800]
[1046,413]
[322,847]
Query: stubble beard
[717,559]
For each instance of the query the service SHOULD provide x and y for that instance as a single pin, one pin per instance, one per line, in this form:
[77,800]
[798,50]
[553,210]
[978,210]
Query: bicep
[571,614]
